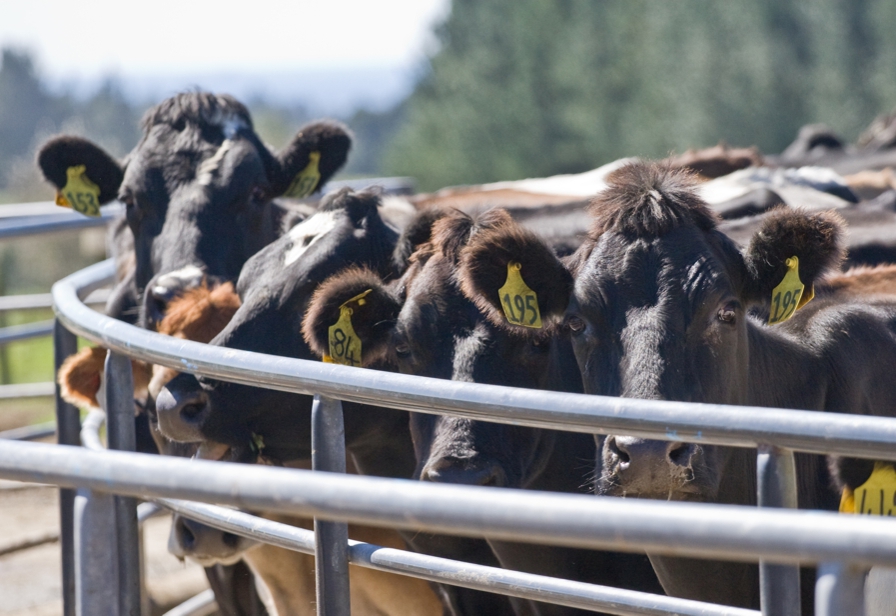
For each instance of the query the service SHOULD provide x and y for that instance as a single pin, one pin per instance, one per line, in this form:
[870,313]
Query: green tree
[533,87]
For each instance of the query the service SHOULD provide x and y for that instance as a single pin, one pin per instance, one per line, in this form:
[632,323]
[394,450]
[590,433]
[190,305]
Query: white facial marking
[206,172]
[184,278]
[306,233]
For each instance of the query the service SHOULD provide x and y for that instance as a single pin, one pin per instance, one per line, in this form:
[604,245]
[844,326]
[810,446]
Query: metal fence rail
[777,433]
[718,424]
[434,569]
[844,547]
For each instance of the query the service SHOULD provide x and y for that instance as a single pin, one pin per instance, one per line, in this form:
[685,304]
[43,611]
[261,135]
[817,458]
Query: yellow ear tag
[306,180]
[877,496]
[520,303]
[847,501]
[79,193]
[788,296]
[345,346]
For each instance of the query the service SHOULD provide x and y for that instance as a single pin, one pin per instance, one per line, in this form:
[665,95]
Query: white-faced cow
[659,310]
[197,187]
[421,324]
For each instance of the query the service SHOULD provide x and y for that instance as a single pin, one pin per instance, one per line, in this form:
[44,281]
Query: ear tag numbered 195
[306,180]
[877,496]
[520,303]
[345,346]
[789,295]
[79,192]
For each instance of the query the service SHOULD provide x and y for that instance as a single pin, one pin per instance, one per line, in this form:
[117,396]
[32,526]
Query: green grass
[28,361]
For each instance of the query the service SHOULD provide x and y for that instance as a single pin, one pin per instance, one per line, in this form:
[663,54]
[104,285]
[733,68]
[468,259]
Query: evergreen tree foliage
[535,87]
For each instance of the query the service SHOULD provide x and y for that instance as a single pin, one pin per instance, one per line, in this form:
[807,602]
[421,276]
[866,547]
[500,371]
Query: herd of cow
[640,291]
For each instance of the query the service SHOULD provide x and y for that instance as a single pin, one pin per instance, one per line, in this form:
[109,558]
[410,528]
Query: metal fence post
[840,590]
[779,585]
[96,565]
[119,389]
[330,538]
[68,429]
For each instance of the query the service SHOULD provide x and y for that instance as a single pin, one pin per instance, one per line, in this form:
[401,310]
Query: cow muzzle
[204,544]
[463,472]
[648,468]
[182,407]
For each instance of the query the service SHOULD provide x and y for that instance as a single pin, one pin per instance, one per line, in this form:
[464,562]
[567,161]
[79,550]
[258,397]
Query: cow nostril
[230,540]
[680,454]
[620,453]
[187,538]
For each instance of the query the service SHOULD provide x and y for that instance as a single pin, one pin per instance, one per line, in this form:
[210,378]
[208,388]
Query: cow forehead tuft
[306,233]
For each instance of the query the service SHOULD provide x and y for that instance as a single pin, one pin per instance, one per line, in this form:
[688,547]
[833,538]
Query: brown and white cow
[199,314]
[659,310]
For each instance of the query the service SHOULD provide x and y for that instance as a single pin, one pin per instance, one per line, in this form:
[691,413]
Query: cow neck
[783,370]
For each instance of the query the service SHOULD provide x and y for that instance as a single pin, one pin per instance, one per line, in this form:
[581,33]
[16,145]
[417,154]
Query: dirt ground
[31,579]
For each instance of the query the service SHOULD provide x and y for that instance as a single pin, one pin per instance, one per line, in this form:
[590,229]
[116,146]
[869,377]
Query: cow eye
[402,350]
[575,324]
[728,312]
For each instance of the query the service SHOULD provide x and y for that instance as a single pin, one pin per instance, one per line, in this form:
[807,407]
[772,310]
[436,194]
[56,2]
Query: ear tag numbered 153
[877,496]
[345,346]
[306,180]
[520,303]
[79,192]
[789,295]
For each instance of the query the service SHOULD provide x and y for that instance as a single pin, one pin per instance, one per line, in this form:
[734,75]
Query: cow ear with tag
[514,278]
[84,175]
[349,318]
[790,253]
[315,154]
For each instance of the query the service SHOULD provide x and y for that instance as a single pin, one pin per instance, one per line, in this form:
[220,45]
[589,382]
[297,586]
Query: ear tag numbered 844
[789,295]
[520,303]
[345,346]
[79,192]
[306,180]
[877,496]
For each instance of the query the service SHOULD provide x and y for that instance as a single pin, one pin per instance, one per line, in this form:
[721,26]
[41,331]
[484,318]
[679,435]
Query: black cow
[198,186]
[275,287]
[658,310]
[423,325]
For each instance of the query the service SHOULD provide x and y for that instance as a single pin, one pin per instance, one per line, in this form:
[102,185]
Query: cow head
[198,185]
[275,287]
[422,324]
[659,307]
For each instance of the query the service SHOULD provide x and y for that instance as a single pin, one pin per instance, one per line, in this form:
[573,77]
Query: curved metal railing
[726,532]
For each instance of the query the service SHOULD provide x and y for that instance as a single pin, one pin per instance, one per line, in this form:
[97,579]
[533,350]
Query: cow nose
[191,538]
[182,406]
[450,470]
[649,465]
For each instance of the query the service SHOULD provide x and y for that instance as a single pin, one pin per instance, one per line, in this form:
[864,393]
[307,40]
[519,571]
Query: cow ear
[80,377]
[316,153]
[60,154]
[814,238]
[489,258]
[417,233]
[372,316]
